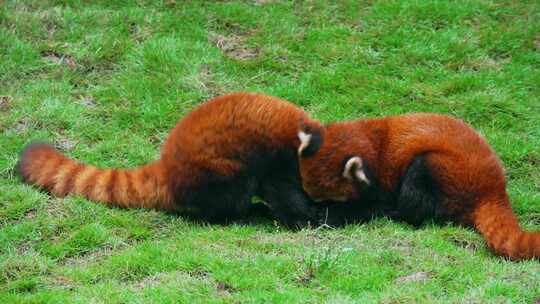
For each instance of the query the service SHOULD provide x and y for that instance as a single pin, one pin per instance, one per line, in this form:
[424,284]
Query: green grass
[106,80]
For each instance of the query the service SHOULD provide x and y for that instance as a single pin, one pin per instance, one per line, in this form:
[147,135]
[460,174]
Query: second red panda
[431,166]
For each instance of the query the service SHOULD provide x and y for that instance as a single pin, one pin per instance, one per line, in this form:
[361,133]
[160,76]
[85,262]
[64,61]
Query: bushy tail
[146,186]
[495,220]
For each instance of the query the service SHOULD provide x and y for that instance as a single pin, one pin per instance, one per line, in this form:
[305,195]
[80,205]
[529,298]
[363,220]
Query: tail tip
[27,154]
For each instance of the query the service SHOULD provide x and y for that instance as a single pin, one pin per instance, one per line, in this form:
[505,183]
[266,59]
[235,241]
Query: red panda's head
[328,169]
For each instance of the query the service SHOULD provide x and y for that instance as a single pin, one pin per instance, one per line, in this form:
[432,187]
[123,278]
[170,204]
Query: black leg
[280,187]
[220,201]
[337,214]
[260,210]
[418,197]
[287,200]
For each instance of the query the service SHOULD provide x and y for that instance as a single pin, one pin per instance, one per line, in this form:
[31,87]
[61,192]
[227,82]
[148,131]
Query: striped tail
[145,187]
[499,226]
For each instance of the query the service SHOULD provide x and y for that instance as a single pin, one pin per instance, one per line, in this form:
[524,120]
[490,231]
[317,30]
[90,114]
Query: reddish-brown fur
[463,165]
[217,141]
[145,186]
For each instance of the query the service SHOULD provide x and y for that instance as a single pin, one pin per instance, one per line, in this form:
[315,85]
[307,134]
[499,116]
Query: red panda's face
[327,175]
[322,184]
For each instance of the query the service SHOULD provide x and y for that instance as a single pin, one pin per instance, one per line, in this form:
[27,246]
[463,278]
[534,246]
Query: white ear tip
[304,141]
[303,136]
[349,167]
[356,160]
[362,176]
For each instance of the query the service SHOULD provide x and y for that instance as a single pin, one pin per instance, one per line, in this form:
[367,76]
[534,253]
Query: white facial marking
[304,141]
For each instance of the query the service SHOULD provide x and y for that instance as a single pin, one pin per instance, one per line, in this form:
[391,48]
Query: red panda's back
[233,125]
[459,156]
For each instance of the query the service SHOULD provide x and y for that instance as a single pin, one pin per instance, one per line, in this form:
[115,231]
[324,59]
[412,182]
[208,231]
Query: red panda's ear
[310,142]
[304,141]
[354,170]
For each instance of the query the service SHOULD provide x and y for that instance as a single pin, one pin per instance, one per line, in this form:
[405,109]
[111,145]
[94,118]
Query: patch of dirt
[207,80]
[532,159]
[16,269]
[91,257]
[170,3]
[66,144]
[140,32]
[151,281]
[537,44]
[55,208]
[199,274]
[31,214]
[51,19]
[156,138]
[225,288]
[233,46]
[88,101]
[60,59]
[64,283]
[263,2]
[5,103]
[462,242]
[486,64]
[306,277]
[21,126]
[418,276]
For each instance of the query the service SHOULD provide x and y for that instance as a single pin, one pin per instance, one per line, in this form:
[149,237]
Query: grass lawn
[106,81]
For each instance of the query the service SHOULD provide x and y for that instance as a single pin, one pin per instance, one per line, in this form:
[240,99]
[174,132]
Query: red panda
[213,162]
[432,167]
